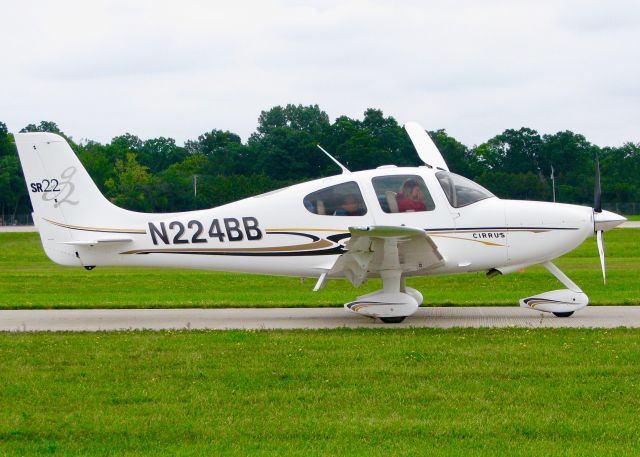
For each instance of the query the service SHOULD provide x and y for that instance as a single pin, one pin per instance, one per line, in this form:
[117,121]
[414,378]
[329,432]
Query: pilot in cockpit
[350,207]
[411,197]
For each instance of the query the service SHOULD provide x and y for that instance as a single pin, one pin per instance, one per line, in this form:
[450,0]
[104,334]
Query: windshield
[461,191]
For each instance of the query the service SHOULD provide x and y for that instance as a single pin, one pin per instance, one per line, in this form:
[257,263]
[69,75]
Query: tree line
[157,175]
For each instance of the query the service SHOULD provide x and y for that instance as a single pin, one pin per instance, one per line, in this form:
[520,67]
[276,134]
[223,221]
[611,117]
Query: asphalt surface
[305,318]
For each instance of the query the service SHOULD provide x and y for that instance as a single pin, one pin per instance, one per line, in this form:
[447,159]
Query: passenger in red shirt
[410,197]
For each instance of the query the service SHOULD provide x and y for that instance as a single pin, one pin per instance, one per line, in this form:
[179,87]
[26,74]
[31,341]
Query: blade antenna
[345,170]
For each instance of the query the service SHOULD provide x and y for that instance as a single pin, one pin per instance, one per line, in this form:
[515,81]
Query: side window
[402,194]
[340,200]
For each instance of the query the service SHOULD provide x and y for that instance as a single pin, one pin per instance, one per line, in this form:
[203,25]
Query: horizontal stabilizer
[97,241]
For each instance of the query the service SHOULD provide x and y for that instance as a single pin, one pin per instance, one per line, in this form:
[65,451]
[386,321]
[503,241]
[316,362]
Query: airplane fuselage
[276,233]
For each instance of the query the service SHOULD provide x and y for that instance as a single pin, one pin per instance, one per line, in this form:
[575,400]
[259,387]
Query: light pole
[195,186]
[553,184]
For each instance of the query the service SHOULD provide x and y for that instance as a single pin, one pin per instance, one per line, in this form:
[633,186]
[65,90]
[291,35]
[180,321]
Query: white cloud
[178,69]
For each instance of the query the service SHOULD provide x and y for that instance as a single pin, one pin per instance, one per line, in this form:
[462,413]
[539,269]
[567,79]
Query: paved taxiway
[305,318]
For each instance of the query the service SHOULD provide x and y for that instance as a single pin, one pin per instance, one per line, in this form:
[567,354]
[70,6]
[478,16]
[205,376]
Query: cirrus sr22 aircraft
[389,222]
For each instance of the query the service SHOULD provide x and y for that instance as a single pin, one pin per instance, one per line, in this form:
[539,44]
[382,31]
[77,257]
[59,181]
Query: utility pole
[553,184]
[195,186]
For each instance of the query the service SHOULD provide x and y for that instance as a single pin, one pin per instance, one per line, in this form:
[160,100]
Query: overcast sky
[180,68]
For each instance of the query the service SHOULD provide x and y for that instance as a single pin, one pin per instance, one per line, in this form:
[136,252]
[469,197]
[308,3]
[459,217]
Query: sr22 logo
[46,185]
[58,190]
[228,228]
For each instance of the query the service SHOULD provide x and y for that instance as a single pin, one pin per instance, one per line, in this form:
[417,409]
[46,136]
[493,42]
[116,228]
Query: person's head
[350,204]
[411,190]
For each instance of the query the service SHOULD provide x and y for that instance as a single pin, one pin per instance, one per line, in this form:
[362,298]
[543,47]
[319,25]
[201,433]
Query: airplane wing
[376,248]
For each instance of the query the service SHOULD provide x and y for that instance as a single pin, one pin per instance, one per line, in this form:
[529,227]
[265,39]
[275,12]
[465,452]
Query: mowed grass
[30,280]
[336,392]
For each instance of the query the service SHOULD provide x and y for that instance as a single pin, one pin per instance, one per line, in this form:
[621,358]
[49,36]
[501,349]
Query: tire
[567,314]
[393,320]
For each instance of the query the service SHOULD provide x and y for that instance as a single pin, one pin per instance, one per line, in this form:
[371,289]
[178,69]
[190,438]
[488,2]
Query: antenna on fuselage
[345,170]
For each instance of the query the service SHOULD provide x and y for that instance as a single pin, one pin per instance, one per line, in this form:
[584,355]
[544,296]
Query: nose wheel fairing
[556,301]
[559,302]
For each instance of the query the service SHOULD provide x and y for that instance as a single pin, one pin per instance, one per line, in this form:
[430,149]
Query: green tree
[158,153]
[374,141]
[175,185]
[620,169]
[51,127]
[96,160]
[219,190]
[13,190]
[513,151]
[310,119]
[43,126]
[460,159]
[520,186]
[132,187]
[224,152]
[6,140]
[284,144]
[571,156]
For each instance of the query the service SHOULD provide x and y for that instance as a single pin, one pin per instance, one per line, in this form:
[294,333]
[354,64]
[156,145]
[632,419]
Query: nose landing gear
[562,302]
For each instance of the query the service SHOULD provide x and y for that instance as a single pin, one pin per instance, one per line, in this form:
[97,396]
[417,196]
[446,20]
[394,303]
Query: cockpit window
[340,200]
[461,191]
[402,194]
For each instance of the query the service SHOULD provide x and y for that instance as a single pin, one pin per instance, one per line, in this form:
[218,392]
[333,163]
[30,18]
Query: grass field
[338,392]
[29,280]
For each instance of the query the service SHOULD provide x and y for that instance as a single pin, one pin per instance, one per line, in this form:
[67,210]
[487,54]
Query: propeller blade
[597,203]
[600,238]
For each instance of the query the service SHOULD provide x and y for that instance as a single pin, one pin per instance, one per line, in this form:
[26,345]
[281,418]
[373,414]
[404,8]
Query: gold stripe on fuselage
[311,247]
[96,229]
[486,243]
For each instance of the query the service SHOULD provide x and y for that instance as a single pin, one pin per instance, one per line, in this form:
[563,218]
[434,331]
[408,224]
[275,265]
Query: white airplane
[389,222]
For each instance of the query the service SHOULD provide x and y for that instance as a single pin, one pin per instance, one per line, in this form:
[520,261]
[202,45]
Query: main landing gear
[392,304]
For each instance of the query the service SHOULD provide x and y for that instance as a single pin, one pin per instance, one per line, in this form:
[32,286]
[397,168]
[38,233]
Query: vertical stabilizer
[65,199]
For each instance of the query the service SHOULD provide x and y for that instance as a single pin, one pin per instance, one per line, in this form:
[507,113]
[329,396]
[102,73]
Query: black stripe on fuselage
[495,229]
[338,249]
[330,251]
